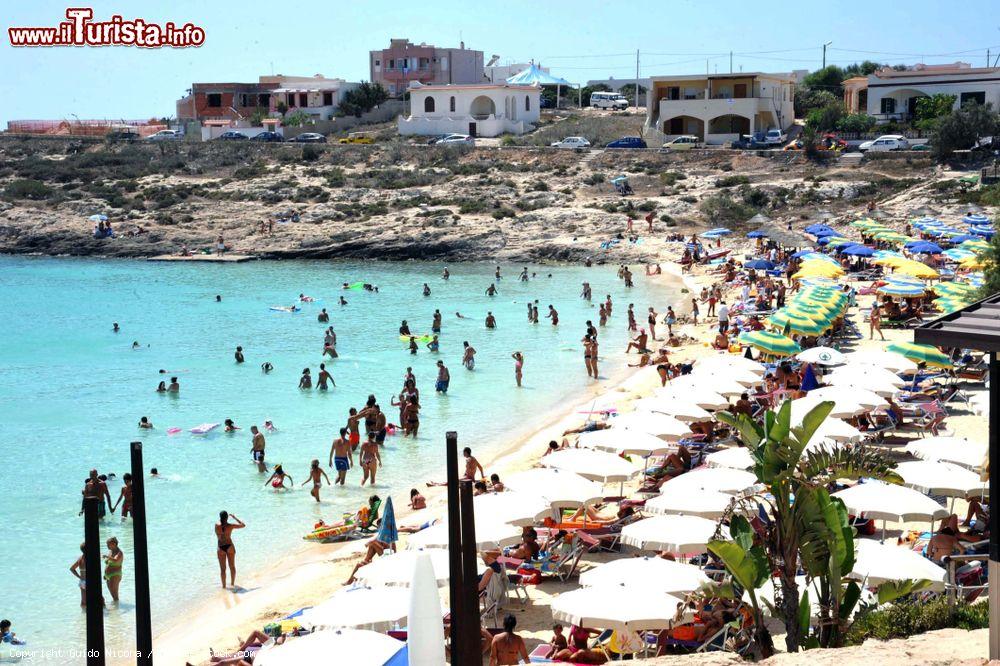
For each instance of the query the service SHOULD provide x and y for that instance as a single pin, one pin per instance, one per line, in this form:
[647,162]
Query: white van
[608,100]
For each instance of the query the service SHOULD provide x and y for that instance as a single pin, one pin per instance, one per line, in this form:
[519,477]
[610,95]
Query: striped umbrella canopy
[949,305]
[864,223]
[784,320]
[824,299]
[896,278]
[819,256]
[885,254]
[916,269]
[770,343]
[890,260]
[976,218]
[953,288]
[833,241]
[818,281]
[972,262]
[975,279]
[985,232]
[892,237]
[921,353]
[958,254]
[816,312]
[821,293]
[904,290]
[813,268]
[975,245]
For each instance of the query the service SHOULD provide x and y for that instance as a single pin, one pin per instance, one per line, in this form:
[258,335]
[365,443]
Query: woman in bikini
[316,475]
[226,551]
[518,366]
[370,459]
[411,417]
[113,567]
[277,479]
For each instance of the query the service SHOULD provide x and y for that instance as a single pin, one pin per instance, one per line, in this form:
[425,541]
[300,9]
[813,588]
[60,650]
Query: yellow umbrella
[972,262]
[890,261]
[916,269]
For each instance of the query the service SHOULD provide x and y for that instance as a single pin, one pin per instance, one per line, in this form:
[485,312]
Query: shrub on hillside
[906,618]
[732,181]
[27,189]
[722,209]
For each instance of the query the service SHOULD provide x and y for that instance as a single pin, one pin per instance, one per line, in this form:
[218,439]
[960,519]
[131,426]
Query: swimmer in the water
[460,315]
[469,356]
[404,328]
[491,321]
[135,344]
[154,473]
[266,367]
[315,474]
[306,299]
[323,378]
[323,317]
[433,345]
[161,387]
[277,479]
[239,354]
[173,387]
[413,345]
[230,426]
[445,275]
[305,381]
[145,423]
[427,290]
[269,426]
[114,327]
[218,298]
[491,290]
[343,301]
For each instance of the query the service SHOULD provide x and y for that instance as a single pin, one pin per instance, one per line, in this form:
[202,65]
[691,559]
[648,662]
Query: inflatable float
[203,428]
[323,533]
[284,308]
[418,338]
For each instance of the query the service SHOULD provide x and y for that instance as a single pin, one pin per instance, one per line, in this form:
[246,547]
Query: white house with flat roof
[890,94]
[476,110]
[718,108]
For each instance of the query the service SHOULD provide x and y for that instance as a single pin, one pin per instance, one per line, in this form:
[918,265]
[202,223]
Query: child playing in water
[277,479]
[315,474]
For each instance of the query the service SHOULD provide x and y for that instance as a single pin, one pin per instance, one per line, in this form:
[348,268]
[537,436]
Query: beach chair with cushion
[494,598]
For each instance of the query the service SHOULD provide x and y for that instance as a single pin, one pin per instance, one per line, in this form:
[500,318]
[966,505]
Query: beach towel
[387,532]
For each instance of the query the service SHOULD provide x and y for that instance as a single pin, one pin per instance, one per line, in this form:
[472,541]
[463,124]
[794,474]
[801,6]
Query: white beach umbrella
[558,487]
[941,478]
[723,362]
[703,503]
[882,359]
[950,449]
[490,534]
[851,374]
[673,533]
[836,430]
[886,501]
[739,375]
[348,646]
[874,385]
[516,508]
[594,465]
[645,574]
[876,563]
[848,394]
[617,608]
[377,608]
[821,356]
[682,410]
[843,407]
[720,479]
[718,383]
[658,425]
[736,457]
[396,569]
[623,441]
[702,396]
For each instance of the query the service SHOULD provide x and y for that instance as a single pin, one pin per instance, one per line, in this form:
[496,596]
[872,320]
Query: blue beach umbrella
[825,232]
[897,289]
[757,234]
[961,238]
[802,253]
[387,532]
[924,248]
[976,218]
[819,229]
[809,380]
[759,264]
[956,254]
[857,251]
[882,254]
[985,232]
[98,218]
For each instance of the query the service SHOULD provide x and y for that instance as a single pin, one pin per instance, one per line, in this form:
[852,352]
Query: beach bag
[685,632]
[529,576]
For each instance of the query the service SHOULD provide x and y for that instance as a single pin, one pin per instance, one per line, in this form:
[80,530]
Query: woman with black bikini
[226,550]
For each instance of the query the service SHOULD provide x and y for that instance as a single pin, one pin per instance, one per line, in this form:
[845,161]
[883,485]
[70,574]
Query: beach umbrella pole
[95,587]
[143,621]
[458,635]
[994,518]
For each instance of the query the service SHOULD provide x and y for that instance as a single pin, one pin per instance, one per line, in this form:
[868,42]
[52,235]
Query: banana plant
[805,528]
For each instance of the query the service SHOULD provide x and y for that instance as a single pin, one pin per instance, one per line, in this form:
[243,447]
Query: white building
[477,110]
[889,94]
[719,107]
[312,95]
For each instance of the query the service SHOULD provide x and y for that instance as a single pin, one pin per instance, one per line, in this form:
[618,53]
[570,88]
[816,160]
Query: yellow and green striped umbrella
[865,223]
[975,245]
[953,289]
[813,310]
[921,354]
[915,269]
[788,321]
[770,343]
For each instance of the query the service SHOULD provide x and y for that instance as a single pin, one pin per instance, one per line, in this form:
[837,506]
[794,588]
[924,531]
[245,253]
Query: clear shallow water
[71,393]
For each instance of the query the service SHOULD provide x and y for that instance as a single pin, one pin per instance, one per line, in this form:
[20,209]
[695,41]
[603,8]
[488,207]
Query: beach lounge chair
[371,523]
[494,598]
[561,565]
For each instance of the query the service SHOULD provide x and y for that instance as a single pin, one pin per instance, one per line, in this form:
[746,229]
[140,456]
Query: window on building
[290,99]
[888,105]
[974,97]
[214,100]
[303,99]
[392,64]
[425,63]
[264,100]
[428,105]
[451,104]
[328,99]
[378,63]
[527,103]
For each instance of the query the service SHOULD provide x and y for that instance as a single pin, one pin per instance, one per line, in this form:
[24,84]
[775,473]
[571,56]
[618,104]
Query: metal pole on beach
[143,620]
[993,570]
[458,640]
[470,603]
[92,579]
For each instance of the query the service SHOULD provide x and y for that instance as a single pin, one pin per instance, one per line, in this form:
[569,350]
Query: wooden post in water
[143,620]
[470,602]
[92,579]
[458,632]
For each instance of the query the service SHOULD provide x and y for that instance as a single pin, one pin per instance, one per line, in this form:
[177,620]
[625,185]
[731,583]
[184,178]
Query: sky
[577,39]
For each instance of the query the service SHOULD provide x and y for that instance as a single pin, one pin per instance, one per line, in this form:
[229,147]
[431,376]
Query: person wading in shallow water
[226,550]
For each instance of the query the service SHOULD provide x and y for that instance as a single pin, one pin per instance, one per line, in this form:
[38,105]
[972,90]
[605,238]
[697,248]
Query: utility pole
[824,53]
[730,62]
[637,79]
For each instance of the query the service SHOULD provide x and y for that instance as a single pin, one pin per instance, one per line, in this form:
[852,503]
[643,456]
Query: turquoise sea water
[72,392]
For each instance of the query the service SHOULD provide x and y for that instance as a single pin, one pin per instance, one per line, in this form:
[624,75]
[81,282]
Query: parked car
[685,142]
[608,100]
[627,142]
[126,135]
[232,135]
[457,138]
[165,135]
[268,137]
[357,138]
[308,137]
[750,142]
[775,137]
[885,143]
[574,142]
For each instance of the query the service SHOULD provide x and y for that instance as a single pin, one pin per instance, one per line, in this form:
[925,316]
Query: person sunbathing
[596,514]
[589,426]
[721,342]
[374,548]
[639,343]
[528,549]
[946,541]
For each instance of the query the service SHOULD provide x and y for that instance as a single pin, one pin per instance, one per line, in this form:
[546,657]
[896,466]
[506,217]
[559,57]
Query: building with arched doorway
[720,107]
[892,94]
[476,110]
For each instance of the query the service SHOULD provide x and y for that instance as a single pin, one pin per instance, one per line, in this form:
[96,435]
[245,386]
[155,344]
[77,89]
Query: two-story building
[312,95]
[718,108]
[219,102]
[476,110]
[404,62]
[891,94]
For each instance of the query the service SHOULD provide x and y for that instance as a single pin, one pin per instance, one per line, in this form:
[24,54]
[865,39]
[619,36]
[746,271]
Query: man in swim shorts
[341,456]
[354,434]
[257,449]
[96,487]
[444,377]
